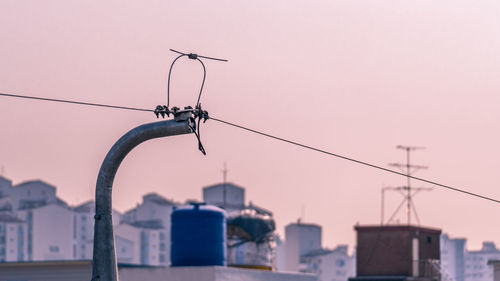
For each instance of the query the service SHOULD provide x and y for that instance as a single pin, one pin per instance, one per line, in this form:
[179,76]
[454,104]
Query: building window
[74,227]
[144,247]
[54,249]
[20,243]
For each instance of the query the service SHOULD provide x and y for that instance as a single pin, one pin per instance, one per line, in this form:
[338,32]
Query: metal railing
[432,269]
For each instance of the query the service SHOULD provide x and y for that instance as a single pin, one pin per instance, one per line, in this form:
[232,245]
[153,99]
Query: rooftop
[33,182]
[150,224]
[157,198]
[227,184]
[366,228]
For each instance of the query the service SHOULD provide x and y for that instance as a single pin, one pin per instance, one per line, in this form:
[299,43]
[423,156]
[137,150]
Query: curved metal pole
[104,267]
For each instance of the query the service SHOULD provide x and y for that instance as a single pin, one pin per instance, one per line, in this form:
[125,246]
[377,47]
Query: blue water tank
[198,236]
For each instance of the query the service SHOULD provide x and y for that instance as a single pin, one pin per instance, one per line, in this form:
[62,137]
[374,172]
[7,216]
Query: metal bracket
[182,115]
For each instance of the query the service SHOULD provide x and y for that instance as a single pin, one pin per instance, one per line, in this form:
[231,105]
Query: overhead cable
[354,160]
[273,137]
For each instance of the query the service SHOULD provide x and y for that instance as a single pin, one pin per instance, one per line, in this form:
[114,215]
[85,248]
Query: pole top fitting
[182,115]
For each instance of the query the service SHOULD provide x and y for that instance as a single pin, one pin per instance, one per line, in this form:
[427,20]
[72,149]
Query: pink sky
[351,77]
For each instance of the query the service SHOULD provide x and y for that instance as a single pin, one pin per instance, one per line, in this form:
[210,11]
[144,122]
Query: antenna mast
[407,191]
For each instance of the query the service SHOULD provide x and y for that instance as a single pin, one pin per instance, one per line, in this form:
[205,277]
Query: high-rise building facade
[300,239]
[476,262]
[453,257]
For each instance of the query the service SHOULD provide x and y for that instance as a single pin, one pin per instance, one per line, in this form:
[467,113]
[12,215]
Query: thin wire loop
[168,83]
[170,73]
[203,82]
[194,57]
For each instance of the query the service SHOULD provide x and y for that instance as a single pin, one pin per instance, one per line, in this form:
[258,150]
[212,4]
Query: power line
[354,160]
[269,136]
[77,102]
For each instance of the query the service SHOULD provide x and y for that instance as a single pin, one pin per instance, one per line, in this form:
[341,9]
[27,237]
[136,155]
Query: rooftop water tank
[198,236]
[251,240]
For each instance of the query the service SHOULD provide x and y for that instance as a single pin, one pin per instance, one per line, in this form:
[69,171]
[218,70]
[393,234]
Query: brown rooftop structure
[402,252]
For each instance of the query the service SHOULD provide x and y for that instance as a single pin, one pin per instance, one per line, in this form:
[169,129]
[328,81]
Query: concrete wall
[82,271]
[45,271]
[207,273]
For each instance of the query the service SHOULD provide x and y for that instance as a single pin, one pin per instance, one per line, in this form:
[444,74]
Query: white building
[5,186]
[12,239]
[300,239]
[330,265]
[225,195]
[32,194]
[148,241]
[150,217]
[279,261]
[49,232]
[48,229]
[83,230]
[453,257]
[476,263]
[42,222]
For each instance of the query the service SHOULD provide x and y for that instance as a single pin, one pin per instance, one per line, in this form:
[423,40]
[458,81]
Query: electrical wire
[355,161]
[204,57]
[77,102]
[269,136]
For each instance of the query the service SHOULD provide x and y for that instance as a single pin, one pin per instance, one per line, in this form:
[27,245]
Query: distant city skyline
[281,232]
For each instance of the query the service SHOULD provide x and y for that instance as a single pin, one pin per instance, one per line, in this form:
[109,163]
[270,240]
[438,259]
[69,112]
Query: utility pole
[104,267]
[407,191]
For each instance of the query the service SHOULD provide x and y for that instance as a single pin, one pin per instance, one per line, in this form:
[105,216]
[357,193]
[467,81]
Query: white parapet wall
[81,271]
[208,273]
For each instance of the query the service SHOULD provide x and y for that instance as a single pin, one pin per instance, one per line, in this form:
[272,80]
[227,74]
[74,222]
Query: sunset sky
[352,77]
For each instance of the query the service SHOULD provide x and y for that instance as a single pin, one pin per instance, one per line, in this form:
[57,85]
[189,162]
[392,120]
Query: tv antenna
[407,191]
[224,191]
